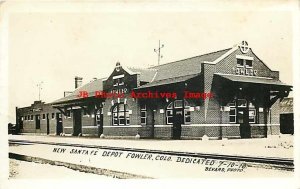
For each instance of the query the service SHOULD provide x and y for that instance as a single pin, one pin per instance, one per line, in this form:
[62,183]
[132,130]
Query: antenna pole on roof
[158,51]
[39,85]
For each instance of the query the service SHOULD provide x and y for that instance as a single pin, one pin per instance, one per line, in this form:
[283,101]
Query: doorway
[243,120]
[59,126]
[37,122]
[99,121]
[177,121]
[76,122]
[48,129]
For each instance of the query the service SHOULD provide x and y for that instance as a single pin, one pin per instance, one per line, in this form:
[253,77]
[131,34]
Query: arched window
[177,105]
[120,114]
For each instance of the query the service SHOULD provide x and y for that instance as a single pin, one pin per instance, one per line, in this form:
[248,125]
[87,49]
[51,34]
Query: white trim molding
[122,126]
[89,126]
[118,76]
[163,126]
[262,124]
[212,125]
[68,127]
[244,57]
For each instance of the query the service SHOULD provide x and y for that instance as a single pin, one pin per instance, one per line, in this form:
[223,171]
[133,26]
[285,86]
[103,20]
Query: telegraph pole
[158,51]
[39,85]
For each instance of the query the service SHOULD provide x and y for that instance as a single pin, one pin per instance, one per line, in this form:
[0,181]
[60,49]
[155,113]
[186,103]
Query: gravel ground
[30,170]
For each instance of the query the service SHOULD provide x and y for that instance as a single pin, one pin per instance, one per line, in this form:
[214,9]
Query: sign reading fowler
[206,164]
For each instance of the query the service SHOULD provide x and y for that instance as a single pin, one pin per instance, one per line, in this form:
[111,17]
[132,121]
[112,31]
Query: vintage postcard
[104,91]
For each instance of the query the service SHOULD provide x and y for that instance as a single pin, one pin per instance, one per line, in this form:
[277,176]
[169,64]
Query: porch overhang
[264,90]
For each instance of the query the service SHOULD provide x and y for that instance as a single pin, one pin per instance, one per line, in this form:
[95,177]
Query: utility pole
[158,51]
[39,85]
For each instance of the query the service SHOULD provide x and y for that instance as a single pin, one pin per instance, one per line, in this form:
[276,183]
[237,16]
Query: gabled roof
[91,87]
[168,81]
[146,75]
[186,66]
[252,79]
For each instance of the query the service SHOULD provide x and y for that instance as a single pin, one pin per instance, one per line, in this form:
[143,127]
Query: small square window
[178,104]
[249,63]
[232,119]
[240,62]
[44,116]
[143,114]
[121,81]
[52,115]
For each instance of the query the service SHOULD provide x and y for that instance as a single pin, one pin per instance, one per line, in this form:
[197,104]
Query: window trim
[171,106]
[144,110]
[232,108]
[126,114]
[238,65]
[254,117]
[247,65]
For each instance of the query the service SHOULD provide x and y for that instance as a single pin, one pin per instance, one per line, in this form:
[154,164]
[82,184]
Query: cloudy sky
[54,47]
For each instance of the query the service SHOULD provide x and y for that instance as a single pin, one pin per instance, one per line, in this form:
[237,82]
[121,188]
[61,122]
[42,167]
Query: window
[236,114]
[121,81]
[232,112]
[28,117]
[68,113]
[187,116]
[169,116]
[120,115]
[44,116]
[249,63]
[244,62]
[53,115]
[252,114]
[232,115]
[118,80]
[143,114]
[115,82]
[240,62]
[31,118]
[178,105]
[25,118]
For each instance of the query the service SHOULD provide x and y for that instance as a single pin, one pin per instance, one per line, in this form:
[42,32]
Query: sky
[54,47]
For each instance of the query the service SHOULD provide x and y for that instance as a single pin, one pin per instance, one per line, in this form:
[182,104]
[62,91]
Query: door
[177,121]
[21,123]
[243,120]
[48,129]
[59,128]
[99,121]
[76,122]
[37,122]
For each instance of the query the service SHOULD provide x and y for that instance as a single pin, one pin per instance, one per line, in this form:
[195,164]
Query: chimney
[78,81]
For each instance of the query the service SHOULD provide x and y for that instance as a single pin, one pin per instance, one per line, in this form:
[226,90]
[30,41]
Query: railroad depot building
[242,101]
